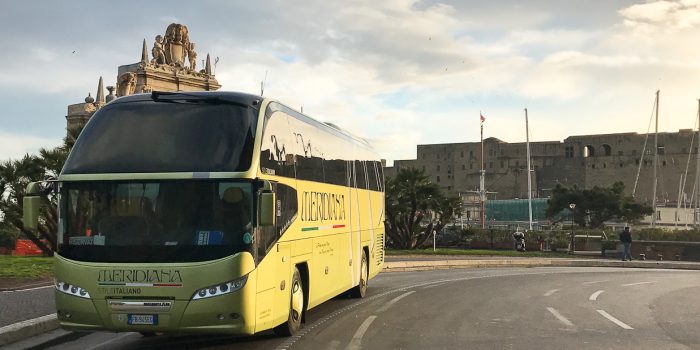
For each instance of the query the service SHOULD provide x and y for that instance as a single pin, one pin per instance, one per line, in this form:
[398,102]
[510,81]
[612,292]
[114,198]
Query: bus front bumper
[226,314]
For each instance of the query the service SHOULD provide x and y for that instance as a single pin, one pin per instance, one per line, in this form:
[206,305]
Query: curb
[398,266]
[26,329]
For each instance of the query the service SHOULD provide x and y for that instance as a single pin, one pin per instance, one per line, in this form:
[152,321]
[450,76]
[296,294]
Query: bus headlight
[220,289]
[71,289]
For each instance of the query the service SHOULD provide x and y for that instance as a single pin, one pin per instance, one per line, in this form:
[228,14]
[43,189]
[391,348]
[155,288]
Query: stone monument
[172,67]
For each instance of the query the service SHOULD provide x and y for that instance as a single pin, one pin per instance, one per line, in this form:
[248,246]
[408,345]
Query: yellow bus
[211,212]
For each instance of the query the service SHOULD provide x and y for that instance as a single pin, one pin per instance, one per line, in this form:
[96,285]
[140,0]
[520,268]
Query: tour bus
[211,212]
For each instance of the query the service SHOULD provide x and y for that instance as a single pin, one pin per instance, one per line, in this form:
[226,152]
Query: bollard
[642,256]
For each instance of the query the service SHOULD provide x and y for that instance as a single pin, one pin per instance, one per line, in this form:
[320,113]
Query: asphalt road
[507,308]
[26,304]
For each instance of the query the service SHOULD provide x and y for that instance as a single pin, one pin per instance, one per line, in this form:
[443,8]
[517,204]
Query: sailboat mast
[529,171]
[482,187]
[697,173]
[656,160]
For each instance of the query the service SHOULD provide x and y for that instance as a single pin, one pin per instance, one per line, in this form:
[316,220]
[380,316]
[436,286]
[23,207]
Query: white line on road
[549,293]
[638,283]
[561,318]
[614,320]
[393,301]
[594,282]
[28,289]
[119,337]
[356,341]
[595,295]
[434,285]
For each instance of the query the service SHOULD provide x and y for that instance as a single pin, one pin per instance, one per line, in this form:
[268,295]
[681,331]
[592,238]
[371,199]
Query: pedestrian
[626,239]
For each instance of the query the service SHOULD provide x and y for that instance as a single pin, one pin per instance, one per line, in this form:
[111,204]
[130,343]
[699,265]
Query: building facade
[584,161]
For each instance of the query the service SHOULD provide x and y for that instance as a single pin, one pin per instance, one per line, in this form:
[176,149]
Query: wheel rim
[363,279]
[297,301]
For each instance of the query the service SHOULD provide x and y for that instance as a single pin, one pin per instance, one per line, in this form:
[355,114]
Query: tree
[415,208]
[598,205]
[15,175]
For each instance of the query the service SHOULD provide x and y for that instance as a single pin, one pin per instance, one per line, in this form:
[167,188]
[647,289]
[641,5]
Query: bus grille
[379,249]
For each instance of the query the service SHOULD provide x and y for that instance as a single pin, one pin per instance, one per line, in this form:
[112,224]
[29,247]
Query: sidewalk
[434,262]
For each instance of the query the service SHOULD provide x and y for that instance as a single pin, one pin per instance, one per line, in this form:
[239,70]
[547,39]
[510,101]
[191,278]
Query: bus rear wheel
[360,290]
[296,307]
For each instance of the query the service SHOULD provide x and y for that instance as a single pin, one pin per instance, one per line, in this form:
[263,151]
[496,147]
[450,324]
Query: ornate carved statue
[126,84]
[158,52]
[192,56]
[177,43]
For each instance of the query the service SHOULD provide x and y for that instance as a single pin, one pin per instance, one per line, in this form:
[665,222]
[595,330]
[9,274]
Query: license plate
[142,319]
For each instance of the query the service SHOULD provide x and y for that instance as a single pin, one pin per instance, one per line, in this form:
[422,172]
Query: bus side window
[373,175]
[277,148]
[360,175]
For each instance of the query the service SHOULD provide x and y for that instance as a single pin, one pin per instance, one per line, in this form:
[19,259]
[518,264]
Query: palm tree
[415,208]
[15,175]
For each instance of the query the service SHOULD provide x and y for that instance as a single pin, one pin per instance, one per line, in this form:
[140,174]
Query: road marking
[595,295]
[561,318]
[638,283]
[357,338]
[27,289]
[393,301]
[594,282]
[614,320]
[434,285]
[549,293]
[119,337]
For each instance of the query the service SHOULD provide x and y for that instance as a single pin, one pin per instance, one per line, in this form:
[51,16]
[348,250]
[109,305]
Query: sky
[396,72]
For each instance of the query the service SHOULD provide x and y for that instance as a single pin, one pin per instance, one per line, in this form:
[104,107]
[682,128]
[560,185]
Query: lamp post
[573,240]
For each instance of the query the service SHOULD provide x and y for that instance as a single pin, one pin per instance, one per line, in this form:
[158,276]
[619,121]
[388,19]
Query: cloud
[14,146]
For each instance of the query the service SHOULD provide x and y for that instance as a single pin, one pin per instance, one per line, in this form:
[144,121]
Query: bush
[8,239]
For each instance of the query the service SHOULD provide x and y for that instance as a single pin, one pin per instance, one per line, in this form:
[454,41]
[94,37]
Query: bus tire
[360,290]
[296,307]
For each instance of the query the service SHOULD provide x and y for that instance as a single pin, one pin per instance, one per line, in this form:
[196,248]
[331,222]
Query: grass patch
[25,267]
[476,252]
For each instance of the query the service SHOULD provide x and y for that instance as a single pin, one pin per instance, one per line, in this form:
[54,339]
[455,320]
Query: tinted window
[148,136]
[373,174]
[168,221]
[277,146]
[360,178]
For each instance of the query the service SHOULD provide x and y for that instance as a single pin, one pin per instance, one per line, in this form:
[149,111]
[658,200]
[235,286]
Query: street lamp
[573,214]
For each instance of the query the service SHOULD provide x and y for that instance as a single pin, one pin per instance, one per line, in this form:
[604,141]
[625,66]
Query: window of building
[438,167]
[661,149]
[621,165]
[663,163]
[423,167]
[593,166]
[464,167]
[517,163]
[501,164]
[461,154]
[569,151]
[471,153]
[438,178]
[471,166]
[491,165]
[620,153]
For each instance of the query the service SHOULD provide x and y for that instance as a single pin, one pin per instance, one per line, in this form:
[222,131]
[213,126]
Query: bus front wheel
[360,290]
[296,307]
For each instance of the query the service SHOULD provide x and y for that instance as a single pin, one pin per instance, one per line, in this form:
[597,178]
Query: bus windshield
[166,221]
[165,136]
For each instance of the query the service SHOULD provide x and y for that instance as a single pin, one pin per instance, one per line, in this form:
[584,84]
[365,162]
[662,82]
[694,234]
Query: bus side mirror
[31,204]
[266,208]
